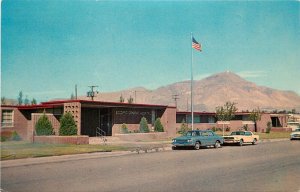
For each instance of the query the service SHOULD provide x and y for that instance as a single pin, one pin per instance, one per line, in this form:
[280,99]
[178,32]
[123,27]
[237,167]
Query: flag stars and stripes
[196,45]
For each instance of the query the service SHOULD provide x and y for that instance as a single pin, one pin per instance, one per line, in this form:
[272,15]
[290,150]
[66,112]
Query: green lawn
[21,149]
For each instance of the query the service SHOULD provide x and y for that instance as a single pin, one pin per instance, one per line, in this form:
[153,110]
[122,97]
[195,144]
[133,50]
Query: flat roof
[105,103]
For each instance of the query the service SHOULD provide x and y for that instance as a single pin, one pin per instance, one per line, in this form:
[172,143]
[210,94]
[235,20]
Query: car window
[207,134]
[248,134]
[238,133]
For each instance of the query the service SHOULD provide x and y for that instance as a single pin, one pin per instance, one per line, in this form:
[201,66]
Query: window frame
[7,124]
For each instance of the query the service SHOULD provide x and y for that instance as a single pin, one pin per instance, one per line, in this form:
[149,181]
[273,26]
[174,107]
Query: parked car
[241,137]
[295,134]
[196,139]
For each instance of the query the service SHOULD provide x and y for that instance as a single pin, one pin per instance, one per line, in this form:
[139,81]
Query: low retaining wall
[275,129]
[142,136]
[78,140]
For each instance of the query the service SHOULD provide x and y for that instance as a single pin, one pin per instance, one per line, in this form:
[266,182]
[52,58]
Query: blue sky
[49,46]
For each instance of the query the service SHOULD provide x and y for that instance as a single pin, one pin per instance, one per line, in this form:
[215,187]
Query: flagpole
[192,82]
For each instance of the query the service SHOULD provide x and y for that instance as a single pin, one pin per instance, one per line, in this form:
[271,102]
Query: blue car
[197,139]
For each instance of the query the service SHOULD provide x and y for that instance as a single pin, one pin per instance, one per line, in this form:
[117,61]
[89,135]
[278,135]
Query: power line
[91,93]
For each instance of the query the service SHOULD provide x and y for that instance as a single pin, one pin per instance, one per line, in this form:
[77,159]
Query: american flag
[196,45]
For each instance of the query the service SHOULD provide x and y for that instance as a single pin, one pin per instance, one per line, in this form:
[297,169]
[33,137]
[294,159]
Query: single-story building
[109,117]
[88,115]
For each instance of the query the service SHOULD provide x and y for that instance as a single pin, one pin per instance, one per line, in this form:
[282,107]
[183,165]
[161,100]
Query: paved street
[272,166]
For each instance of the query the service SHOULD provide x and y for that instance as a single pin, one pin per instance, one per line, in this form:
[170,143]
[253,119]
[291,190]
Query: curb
[274,140]
[74,157]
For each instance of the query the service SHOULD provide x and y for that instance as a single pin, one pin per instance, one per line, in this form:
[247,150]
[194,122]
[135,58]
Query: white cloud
[252,74]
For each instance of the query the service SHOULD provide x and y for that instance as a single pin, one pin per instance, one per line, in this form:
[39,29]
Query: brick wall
[75,110]
[19,123]
[54,122]
[168,120]
[78,140]
[143,136]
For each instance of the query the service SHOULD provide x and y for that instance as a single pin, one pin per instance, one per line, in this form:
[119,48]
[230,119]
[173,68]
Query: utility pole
[175,97]
[76,91]
[91,93]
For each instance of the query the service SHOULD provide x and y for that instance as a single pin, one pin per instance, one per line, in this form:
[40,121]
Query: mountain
[211,92]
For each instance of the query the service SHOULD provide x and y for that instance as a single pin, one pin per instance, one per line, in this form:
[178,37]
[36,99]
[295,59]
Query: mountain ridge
[209,93]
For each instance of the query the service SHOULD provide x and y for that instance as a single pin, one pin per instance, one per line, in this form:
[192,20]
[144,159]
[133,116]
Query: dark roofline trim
[105,103]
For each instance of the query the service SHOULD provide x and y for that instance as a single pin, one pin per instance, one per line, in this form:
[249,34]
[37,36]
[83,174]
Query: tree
[3,100]
[33,102]
[26,101]
[122,99]
[124,128]
[255,116]
[144,125]
[43,126]
[20,98]
[67,125]
[130,100]
[226,112]
[158,127]
[183,127]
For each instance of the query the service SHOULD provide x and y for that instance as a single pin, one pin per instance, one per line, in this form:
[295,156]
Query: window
[7,118]
[247,133]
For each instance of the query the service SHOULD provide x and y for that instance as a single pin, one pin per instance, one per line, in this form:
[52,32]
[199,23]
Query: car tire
[241,142]
[174,148]
[254,141]
[217,144]
[197,146]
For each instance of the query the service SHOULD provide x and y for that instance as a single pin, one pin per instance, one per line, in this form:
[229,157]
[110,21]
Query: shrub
[269,126]
[124,128]
[183,128]
[67,125]
[43,126]
[245,127]
[3,138]
[144,125]
[15,136]
[214,129]
[228,129]
[158,127]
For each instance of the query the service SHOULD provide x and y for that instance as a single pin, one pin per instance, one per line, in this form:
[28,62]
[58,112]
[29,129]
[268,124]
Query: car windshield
[238,133]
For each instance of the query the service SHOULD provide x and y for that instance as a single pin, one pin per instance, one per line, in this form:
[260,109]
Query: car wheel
[174,148]
[241,142]
[217,144]
[254,141]
[197,146]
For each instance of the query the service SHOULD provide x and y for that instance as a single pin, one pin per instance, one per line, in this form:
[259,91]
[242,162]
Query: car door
[248,137]
[205,138]
[211,140]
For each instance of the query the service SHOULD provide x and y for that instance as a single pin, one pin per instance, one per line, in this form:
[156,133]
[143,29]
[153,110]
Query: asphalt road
[273,166]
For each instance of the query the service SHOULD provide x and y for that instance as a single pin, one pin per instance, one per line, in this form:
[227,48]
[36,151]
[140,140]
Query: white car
[295,134]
